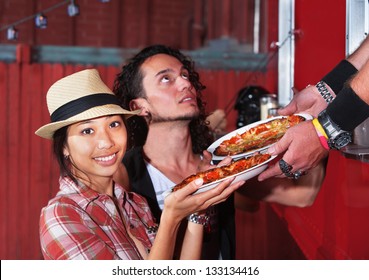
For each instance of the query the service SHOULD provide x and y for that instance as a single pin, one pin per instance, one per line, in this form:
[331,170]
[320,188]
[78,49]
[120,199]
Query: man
[162,83]
[170,137]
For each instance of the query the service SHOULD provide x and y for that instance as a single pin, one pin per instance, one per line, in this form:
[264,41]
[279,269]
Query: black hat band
[82,104]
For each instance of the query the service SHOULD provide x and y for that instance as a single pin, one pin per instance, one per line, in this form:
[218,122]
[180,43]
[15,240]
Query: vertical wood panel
[25,227]
[37,186]
[3,158]
[14,188]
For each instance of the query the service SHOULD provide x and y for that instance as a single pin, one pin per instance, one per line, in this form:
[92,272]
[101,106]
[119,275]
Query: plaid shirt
[80,223]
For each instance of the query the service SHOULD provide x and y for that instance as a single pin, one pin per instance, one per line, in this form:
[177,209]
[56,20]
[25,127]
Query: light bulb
[12,34]
[73,9]
[41,21]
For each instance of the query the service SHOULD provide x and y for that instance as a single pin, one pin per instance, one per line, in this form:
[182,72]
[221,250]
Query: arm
[302,147]
[360,84]
[309,100]
[299,193]
[217,121]
[192,243]
[347,110]
[361,55]
[179,205]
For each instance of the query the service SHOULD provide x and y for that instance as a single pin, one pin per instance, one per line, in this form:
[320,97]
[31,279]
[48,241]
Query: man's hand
[307,100]
[302,148]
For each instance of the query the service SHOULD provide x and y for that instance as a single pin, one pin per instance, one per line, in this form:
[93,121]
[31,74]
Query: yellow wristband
[323,138]
[319,128]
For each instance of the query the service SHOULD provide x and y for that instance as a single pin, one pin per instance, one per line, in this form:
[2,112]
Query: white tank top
[160,182]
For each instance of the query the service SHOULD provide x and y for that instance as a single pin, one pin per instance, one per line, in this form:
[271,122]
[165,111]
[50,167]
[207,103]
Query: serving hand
[307,100]
[302,151]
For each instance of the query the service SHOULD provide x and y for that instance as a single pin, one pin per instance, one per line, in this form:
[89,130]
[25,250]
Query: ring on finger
[298,174]
[285,167]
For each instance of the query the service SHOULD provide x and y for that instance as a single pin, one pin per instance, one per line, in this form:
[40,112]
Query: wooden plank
[112,72]
[4,154]
[37,184]
[23,155]
[50,74]
[13,192]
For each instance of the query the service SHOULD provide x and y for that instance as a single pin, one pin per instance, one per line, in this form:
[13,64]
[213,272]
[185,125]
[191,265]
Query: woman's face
[96,147]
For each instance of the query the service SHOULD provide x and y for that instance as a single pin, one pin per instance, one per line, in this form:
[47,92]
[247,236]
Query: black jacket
[141,183]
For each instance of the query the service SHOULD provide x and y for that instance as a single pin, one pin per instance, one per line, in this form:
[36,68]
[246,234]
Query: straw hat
[77,97]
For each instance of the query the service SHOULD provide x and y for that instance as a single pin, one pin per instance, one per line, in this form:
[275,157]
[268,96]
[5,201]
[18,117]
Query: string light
[73,9]
[40,19]
[12,34]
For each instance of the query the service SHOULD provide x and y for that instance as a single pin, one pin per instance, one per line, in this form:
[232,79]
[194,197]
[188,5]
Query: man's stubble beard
[160,119]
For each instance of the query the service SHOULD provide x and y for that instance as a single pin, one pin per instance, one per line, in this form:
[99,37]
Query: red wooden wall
[135,23]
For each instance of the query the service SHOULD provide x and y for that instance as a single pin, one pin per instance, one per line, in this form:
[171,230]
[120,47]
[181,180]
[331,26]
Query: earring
[66,157]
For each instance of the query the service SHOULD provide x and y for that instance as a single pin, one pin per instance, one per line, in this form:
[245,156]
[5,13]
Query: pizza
[221,172]
[258,136]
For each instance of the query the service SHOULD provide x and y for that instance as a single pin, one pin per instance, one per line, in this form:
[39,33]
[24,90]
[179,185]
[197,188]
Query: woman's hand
[180,204]
[183,202]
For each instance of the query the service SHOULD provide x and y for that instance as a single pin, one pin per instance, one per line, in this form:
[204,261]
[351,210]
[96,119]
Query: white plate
[241,130]
[243,175]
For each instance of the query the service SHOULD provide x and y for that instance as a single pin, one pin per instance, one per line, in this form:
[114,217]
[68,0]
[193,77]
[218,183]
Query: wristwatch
[337,138]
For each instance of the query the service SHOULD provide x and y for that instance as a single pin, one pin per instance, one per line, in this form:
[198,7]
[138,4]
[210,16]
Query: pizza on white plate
[258,136]
[221,172]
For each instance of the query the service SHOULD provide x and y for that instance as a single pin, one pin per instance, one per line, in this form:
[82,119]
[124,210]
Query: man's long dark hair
[128,86]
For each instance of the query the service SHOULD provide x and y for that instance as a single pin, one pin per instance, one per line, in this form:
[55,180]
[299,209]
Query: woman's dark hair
[59,142]
[128,86]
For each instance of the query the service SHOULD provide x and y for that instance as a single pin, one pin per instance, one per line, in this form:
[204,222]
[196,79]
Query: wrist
[337,77]
[323,138]
[348,110]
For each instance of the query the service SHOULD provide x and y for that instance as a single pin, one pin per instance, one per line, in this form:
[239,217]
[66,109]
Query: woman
[92,217]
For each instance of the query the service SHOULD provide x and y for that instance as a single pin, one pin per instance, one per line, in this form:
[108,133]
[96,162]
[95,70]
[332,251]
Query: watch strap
[324,92]
[337,138]
[202,219]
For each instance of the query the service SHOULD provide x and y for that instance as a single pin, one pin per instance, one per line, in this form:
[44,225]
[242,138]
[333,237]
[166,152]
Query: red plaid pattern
[80,223]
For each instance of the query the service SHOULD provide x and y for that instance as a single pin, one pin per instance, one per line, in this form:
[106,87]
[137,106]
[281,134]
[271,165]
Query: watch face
[340,140]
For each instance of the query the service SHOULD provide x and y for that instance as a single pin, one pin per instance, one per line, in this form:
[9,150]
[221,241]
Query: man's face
[170,95]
